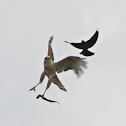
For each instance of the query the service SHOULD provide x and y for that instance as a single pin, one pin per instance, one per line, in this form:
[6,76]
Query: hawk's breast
[49,69]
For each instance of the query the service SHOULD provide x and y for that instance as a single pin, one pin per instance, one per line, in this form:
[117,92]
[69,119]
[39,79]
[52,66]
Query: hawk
[51,69]
[86,45]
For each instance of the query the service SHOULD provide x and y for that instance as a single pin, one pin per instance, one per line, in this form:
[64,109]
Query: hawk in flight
[51,69]
[86,45]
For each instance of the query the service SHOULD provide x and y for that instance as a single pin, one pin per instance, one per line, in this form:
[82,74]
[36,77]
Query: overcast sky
[98,97]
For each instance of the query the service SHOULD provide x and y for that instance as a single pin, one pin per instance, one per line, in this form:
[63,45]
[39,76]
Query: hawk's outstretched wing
[71,62]
[50,52]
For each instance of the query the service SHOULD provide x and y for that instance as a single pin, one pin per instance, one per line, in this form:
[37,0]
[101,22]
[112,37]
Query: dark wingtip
[51,38]
[97,31]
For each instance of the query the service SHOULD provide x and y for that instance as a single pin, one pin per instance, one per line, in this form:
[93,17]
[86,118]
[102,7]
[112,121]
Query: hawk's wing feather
[50,51]
[71,62]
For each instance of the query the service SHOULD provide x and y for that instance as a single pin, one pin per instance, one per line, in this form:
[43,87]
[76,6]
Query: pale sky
[97,98]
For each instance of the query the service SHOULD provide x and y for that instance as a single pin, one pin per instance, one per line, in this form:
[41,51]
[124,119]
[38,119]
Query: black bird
[85,45]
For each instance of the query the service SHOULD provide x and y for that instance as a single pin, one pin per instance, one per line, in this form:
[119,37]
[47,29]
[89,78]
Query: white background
[97,98]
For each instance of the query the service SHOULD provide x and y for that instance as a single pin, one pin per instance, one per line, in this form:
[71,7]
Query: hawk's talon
[42,96]
[32,89]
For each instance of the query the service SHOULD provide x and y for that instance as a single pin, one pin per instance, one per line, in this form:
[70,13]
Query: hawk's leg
[41,79]
[48,85]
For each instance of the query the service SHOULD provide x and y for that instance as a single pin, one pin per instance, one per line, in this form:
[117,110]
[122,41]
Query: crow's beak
[67,42]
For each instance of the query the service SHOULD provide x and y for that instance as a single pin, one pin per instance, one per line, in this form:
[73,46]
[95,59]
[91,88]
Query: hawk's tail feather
[58,83]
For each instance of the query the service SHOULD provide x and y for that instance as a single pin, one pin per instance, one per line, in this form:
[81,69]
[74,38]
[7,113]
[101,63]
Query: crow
[85,45]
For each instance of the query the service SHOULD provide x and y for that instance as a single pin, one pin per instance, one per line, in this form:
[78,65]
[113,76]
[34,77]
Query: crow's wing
[92,40]
[71,63]
[77,45]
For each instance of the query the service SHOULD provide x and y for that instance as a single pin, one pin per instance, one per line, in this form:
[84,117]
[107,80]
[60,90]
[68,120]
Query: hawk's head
[47,60]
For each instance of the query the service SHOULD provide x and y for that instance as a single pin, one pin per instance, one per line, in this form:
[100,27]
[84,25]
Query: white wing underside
[71,63]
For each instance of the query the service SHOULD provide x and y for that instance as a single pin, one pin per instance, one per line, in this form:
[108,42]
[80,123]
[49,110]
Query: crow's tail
[87,53]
